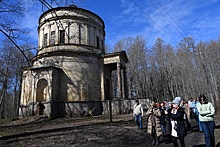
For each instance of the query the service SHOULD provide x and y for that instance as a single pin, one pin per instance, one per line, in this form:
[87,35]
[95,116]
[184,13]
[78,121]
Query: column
[119,88]
[119,80]
[125,84]
[68,33]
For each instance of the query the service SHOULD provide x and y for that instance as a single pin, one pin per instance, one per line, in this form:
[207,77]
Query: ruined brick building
[71,70]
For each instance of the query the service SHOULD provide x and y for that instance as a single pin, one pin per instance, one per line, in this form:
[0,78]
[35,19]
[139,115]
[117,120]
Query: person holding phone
[154,124]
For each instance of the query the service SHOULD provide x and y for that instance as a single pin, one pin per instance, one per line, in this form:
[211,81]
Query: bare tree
[213,63]
[12,61]
[11,25]
[136,68]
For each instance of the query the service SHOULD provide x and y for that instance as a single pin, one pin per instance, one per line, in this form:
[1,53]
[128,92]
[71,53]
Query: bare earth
[88,132]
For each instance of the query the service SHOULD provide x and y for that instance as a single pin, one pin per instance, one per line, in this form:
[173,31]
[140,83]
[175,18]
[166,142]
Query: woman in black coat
[163,118]
[178,130]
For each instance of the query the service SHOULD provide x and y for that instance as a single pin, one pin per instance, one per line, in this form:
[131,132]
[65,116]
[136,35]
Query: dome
[73,6]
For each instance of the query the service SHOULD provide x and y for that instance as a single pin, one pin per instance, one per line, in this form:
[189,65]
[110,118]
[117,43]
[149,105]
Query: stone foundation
[74,109]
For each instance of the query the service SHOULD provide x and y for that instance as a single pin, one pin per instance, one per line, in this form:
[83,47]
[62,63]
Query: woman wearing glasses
[206,113]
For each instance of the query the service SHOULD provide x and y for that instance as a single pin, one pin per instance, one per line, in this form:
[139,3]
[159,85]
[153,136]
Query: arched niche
[41,92]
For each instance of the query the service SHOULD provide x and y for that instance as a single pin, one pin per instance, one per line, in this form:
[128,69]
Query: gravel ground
[88,131]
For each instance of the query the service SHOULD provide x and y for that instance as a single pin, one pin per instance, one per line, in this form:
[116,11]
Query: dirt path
[87,132]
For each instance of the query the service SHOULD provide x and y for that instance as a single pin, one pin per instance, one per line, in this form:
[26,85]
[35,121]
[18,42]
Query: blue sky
[171,20]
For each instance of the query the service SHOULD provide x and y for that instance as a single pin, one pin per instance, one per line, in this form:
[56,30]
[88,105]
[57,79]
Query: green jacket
[206,111]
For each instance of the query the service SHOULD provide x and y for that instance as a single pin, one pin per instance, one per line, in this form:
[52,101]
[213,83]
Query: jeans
[138,120]
[163,127]
[199,123]
[200,126]
[208,129]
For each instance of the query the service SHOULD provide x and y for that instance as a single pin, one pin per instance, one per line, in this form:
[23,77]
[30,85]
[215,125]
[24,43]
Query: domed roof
[74,6]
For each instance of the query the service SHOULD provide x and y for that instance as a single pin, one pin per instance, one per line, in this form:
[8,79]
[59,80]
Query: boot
[156,140]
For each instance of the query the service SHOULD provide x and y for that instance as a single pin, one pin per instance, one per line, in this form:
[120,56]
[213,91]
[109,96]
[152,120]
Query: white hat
[177,100]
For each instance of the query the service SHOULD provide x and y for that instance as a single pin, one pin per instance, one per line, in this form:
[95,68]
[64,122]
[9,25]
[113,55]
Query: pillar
[125,84]
[119,80]
[119,87]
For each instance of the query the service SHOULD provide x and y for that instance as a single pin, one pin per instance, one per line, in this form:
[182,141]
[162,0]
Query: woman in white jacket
[206,116]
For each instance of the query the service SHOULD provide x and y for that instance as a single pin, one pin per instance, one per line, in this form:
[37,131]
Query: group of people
[177,115]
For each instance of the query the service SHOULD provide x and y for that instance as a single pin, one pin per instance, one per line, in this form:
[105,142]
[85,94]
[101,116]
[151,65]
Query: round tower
[69,65]
[72,39]
[71,29]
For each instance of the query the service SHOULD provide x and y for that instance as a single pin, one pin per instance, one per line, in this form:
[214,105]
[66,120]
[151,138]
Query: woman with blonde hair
[154,126]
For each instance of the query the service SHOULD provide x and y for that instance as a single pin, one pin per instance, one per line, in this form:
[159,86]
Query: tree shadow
[79,135]
[167,139]
[56,130]
[35,132]
[203,145]
[25,134]
[217,127]
[194,128]
[200,145]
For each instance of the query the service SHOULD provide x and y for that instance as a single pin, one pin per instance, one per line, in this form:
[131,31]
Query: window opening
[97,39]
[52,41]
[45,39]
[62,36]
